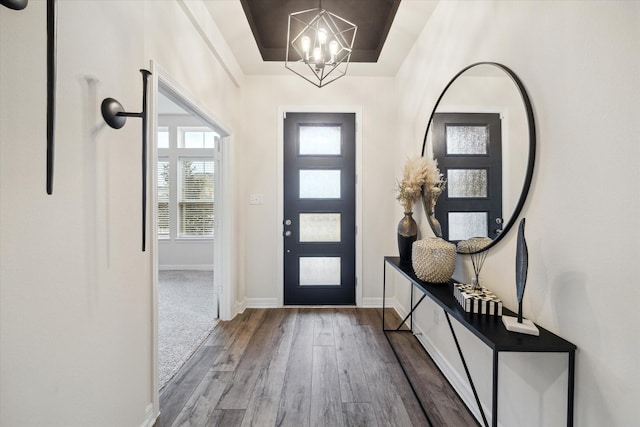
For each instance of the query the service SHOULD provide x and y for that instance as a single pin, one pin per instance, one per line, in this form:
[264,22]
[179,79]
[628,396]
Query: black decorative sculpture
[522,265]
[14,4]
[519,324]
[115,116]
[51,79]
[51,90]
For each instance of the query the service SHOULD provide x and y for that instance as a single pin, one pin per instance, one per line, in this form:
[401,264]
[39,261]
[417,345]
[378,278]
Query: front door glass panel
[465,225]
[319,184]
[467,140]
[319,271]
[320,141]
[467,183]
[319,227]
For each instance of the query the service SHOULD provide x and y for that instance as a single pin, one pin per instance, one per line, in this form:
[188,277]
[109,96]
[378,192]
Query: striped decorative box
[481,301]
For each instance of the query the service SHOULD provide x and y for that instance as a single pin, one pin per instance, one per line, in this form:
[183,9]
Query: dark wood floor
[308,367]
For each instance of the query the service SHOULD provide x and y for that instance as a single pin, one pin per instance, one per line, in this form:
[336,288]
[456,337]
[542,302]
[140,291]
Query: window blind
[163,198]
[196,198]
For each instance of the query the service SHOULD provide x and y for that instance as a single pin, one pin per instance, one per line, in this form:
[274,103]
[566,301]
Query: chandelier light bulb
[317,55]
[322,36]
[306,44]
[333,50]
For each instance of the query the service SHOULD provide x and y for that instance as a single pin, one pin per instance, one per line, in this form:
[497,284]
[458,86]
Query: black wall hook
[116,117]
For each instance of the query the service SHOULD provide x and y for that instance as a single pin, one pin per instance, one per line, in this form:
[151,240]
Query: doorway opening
[187,165]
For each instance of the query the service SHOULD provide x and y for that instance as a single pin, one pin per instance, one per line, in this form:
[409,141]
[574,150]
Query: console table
[489,329]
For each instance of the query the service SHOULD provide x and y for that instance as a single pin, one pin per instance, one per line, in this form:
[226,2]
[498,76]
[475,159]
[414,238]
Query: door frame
[282,110]
[223,250]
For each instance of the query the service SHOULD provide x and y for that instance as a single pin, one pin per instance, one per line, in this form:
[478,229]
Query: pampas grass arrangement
[419,173]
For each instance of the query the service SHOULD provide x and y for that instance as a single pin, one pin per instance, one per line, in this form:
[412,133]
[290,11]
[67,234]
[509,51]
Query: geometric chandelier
[319,45]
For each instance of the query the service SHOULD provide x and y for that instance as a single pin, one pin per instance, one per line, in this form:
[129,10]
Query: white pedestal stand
[526,327]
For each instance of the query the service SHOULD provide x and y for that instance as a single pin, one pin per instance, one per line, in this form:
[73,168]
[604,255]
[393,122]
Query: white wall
[580,63]
[262,97]
[75,289]
[185,255]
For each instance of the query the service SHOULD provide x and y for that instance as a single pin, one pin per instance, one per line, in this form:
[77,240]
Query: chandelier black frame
[319,45]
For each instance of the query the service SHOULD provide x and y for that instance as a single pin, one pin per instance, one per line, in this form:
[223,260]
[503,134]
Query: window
[186,181]
[163,137]
[197,138]
[195,206]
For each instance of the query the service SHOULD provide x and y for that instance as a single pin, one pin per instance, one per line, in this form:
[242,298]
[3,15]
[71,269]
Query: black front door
[319,208]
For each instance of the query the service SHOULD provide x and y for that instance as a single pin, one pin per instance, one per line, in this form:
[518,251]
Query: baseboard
[239,307]
[261,303]
[273,303]
[150,417]
[192,267]
[371,302]
[377,302]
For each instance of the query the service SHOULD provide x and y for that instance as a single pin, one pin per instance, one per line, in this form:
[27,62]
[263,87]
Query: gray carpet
[185,315]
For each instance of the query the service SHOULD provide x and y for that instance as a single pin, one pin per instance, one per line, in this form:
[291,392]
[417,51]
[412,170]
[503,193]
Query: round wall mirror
[482,133]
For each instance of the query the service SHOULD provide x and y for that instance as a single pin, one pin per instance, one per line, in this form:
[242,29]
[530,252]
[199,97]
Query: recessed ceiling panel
[268,21]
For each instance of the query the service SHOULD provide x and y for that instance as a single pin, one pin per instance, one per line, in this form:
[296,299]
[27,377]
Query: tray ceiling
[268,18]
[387,30]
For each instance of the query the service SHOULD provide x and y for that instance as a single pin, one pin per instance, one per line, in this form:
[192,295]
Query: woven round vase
[433,259]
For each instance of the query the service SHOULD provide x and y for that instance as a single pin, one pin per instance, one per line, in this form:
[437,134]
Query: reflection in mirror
[482,134]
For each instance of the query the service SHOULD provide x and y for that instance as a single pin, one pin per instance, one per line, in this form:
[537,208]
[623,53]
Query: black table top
[489,329]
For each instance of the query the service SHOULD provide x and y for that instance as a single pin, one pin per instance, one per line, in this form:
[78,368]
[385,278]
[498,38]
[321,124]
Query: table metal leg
[570,387]
[410,315]
[466,370]
[384,290]
[494,397]
[411,321]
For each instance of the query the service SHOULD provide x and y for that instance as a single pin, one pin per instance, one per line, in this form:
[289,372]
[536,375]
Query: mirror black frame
[532,142]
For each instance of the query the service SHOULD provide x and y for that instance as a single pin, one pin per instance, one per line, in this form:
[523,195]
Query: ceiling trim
[213,38]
